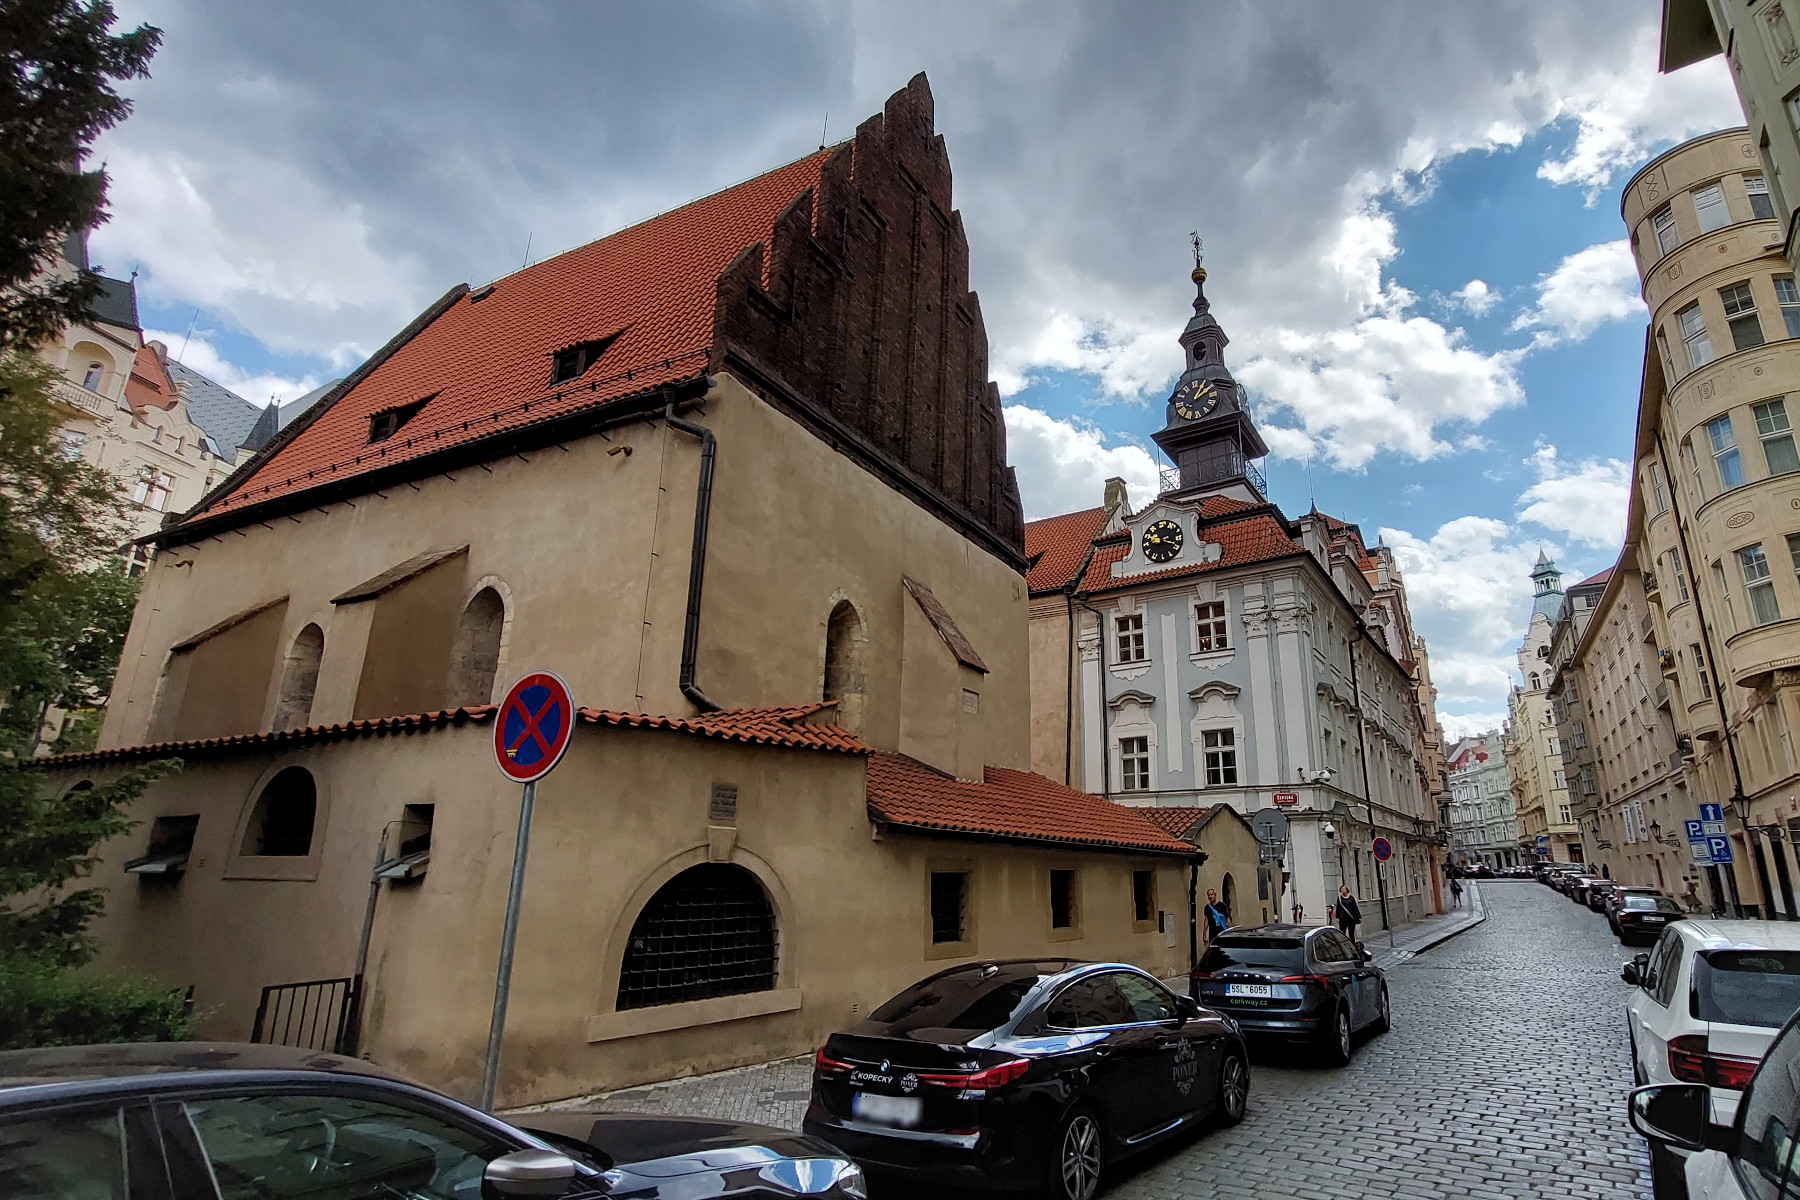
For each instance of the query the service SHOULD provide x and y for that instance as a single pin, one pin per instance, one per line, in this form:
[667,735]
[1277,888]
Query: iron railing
[1170,477]
[319,1014]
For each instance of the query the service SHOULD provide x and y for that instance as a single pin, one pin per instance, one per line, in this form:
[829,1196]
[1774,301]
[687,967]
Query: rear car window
[1251,952]
[1651,904]
[1746,987]
[962,1001]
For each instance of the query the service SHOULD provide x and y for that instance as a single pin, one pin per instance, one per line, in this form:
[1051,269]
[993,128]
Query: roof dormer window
[572,362]
[384,425]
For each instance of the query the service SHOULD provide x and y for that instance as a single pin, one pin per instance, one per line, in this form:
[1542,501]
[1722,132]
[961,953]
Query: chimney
[1115,495]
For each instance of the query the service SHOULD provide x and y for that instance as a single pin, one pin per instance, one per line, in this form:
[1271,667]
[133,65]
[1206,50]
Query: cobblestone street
[1505,1076]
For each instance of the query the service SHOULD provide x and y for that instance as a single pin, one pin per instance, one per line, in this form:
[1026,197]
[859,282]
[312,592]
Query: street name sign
[1287,797]
[535,725]
[1383,850]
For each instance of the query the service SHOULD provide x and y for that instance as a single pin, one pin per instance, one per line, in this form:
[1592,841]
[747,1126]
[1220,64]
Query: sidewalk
[1422,935]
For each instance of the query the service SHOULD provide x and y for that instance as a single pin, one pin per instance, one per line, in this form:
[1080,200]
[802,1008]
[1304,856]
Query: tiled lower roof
[1057,546]
[787,726]
[1007,804]
[1177,820]
[1254,539]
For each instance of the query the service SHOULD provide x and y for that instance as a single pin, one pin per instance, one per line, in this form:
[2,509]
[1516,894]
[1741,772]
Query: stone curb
[1478,910]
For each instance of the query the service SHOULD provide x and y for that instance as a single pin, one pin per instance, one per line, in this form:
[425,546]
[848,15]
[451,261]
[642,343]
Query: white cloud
[1461,725]
[1063,465]
[1586,501]
[257,387]
[1475,297]
[1586,290]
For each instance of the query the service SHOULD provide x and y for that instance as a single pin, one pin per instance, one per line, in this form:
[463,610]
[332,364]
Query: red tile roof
[149,385]
[484,361]
[1056,546]
[753,726]
[1007,804]
[1602,577]
[1175,820]
[1254,539]
[788,727]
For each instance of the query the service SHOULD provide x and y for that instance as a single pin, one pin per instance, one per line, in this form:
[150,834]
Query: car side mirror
[528,1173]
[1678,1114]
[1629,973]
[1187,1008]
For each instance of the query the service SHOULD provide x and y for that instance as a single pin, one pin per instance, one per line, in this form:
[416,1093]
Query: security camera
[1330,832]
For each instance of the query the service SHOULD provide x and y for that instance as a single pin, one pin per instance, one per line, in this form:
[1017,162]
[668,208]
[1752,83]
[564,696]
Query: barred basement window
[949,891]
[710,931]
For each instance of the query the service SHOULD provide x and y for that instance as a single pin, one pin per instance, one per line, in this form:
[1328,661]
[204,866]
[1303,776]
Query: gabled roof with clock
[1261,536]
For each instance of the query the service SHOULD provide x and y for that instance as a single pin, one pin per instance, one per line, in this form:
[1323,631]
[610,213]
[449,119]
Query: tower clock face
[1195,398]
[1162,541]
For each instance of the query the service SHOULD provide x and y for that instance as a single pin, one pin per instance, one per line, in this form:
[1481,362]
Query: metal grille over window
[1740,315]
[1709,206]
[1134,764]
[1777,436]
[1211,629]
[1131,638]
[948,892]
[710,931]
[1762,206]
[1693,336]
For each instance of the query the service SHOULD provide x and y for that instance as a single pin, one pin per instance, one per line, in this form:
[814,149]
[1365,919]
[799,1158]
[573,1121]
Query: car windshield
[966,1000]
[1251,952]
[1651,904]
[1746,987]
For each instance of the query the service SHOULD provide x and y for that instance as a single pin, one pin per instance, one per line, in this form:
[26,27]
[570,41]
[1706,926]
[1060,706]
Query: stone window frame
[1143,726]
[289,868]
[1208,592]
[1216,710]
[971,939]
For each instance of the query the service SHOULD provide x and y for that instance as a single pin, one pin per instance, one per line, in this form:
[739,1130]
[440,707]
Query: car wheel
[1384,1016]
[1234,1088]
[1334,1041]
[1075,1169]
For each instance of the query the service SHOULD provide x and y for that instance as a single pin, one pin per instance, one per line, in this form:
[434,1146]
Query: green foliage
[58,63]
[42,1006]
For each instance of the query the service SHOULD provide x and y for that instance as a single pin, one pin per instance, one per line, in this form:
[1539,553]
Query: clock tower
[1209,434]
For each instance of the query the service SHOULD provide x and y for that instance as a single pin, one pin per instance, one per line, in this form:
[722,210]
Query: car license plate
[1654,920]
[903,1111]
[1259,991]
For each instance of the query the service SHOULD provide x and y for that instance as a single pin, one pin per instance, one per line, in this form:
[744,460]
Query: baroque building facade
[1205,649]
[738,475]
[1482,823]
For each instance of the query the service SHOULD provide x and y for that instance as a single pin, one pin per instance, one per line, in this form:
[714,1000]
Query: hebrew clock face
[1195,398]
[1162,541]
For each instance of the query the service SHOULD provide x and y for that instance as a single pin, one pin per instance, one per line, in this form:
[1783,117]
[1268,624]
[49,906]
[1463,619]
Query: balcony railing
[1217,469]
[73,394]
[1662,694]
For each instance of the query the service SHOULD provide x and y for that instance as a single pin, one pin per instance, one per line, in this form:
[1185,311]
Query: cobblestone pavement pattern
[1505,1076]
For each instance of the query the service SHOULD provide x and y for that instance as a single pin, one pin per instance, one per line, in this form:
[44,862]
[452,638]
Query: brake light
[824,1064]
[1200,974]
[1318,979]
[1691,1062]
[981,1081]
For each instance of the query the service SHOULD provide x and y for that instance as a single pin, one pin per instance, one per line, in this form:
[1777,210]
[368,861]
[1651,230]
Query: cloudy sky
[1411,213]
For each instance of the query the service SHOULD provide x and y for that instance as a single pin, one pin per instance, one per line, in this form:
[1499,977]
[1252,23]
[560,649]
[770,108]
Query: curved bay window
[710,931]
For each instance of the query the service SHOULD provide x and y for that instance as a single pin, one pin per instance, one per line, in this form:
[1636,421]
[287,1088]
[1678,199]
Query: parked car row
[1635,914]
[995,1075]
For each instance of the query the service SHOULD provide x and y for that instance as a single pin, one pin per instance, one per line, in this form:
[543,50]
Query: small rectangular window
[1143,896]
[384,425]
[1658,488]
[1700,674]
[572,362]
[1134,764]
[1664,224]
[171,841]
[1788,297]
[1725,452]
[949,906]
[413,843]
[1210,628]
[1762,206]
[1740,316]
[1062,899]
[1219,748]
[1709,206]
[1693,336]
[1680,576]
[1777,436]
[1131,638]
[1759,588]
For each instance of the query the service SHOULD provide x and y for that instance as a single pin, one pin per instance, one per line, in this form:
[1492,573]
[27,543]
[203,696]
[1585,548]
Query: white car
[1709,999]
[1752,1159]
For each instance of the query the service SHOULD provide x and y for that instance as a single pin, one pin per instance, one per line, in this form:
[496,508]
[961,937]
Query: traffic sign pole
[1382,850]
[532,731]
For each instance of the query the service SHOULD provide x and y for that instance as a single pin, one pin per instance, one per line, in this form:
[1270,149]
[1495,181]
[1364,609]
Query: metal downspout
[690,633]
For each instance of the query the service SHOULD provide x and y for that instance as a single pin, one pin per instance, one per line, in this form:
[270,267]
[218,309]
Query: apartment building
[1530,743]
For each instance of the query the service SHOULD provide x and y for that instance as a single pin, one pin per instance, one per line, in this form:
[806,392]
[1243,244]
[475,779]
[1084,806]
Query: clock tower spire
[1209,434]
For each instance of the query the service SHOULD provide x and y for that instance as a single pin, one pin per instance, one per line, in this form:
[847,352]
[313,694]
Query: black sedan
[1295,982]
[1642,918]
[1024,1074]
[220,1121]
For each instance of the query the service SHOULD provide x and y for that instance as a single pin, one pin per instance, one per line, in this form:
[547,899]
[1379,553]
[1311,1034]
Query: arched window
[844,678]
[710,931]
[475,654]
[299,679]
[282,824]
[91,378]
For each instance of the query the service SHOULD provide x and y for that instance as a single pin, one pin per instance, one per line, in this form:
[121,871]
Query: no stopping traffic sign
[536,721]
[1383,850]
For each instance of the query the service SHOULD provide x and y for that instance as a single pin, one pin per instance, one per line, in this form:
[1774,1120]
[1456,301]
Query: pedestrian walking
[1349,913]
[1455,892]
[1690,894]
[1217,919]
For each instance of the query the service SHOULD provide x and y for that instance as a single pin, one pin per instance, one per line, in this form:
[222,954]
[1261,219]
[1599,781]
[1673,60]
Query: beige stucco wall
[1054,741]
[592,549]
[623,813]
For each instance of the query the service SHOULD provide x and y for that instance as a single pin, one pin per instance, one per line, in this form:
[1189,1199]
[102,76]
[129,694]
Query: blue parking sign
[1718,849]
[1695,831]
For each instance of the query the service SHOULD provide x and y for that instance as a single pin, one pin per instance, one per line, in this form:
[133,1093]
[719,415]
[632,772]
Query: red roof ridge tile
[777,725]
[310,735]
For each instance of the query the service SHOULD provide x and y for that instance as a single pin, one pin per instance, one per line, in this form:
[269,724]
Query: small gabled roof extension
[1258,538]
[1056,547]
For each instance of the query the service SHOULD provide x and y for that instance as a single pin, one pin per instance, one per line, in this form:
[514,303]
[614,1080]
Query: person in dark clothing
[1217,919]
[1349,913]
